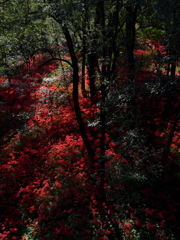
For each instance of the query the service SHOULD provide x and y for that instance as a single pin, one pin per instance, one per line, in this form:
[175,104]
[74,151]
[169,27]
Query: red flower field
[49,187]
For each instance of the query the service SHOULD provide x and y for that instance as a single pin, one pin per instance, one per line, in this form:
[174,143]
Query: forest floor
[45,188]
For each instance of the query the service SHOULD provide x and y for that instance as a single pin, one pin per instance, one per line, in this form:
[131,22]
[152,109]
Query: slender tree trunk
[102,143]
[83,87]
[173,70]
[115,52]
[82,128]
[131,15]
[92,74]
[168,69]
[173,49]
[101,21]
[84,26]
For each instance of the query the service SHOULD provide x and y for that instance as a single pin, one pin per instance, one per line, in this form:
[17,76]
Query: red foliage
[45,180]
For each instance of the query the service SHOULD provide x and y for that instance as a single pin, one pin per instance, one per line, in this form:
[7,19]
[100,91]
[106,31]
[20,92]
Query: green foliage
[21,33]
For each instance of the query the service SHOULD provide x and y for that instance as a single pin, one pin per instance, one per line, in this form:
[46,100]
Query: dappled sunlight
[89,120]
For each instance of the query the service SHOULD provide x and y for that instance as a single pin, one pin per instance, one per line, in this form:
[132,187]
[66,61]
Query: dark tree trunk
[131,15]
[92,74]
[84,27]
[115,52]
[100,19]
[168,69]
[83,87]
[173,70]
[82,128]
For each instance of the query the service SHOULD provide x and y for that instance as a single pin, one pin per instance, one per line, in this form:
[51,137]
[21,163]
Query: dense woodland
[89,119]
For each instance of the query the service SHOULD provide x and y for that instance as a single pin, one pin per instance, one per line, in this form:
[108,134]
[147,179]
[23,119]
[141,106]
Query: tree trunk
[83,87]
[100,20]
[82,128]
[84,26]
[131,15]
[173,70]
[92,74]
[168,69]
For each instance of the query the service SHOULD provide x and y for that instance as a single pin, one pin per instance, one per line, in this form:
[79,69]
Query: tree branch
[55,59]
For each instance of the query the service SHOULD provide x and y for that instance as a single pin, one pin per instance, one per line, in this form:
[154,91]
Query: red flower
[138,223]
[150,226]
[128,225]
[163,223]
